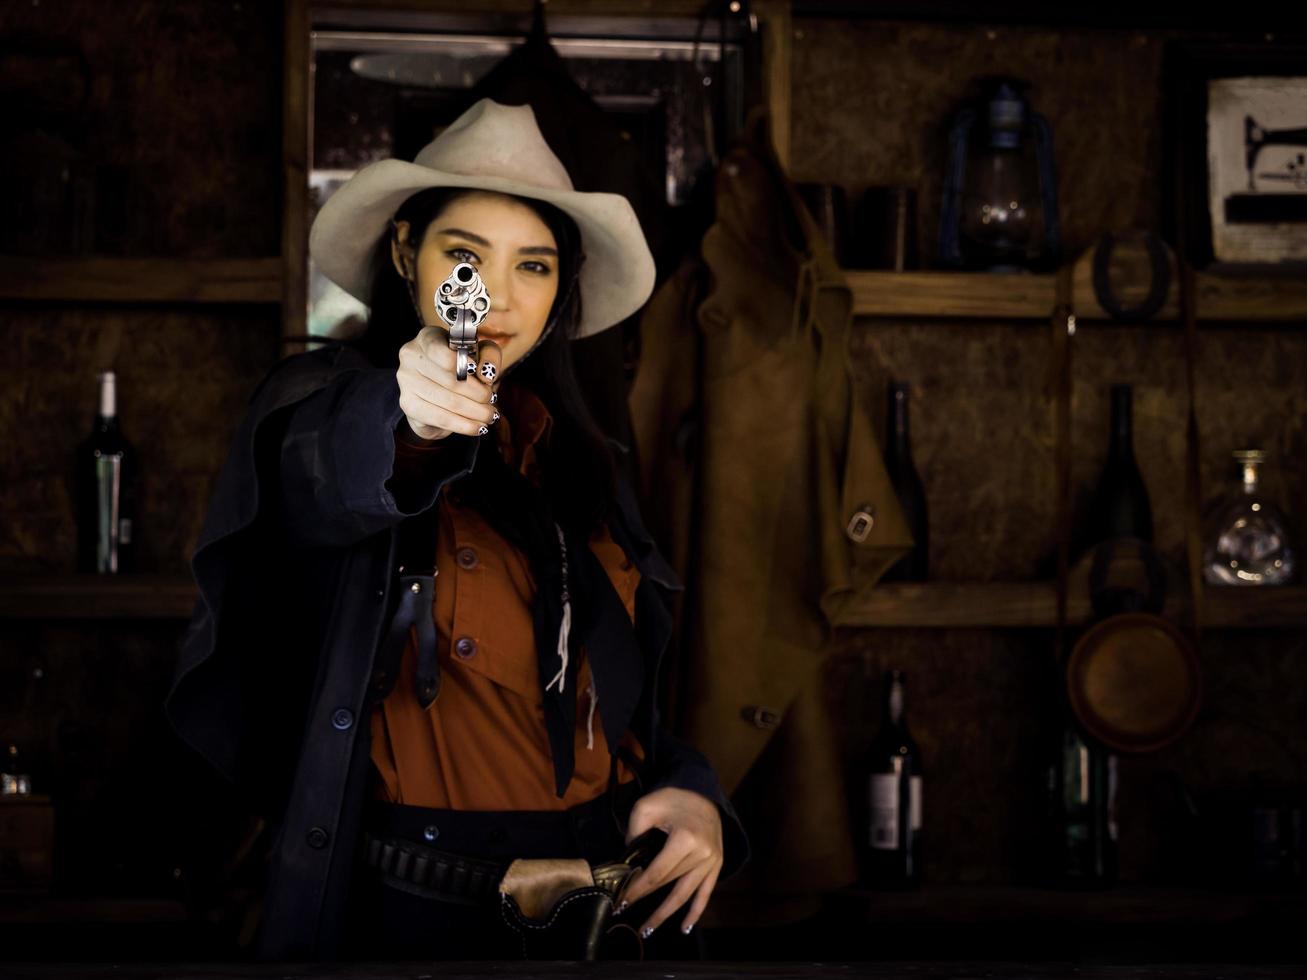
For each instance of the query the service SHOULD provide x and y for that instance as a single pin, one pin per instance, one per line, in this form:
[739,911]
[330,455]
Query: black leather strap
[415,589]
[1107,597]
[413,609]
[1159,282]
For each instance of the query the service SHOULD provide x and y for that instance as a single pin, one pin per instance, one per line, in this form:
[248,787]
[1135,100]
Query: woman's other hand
[692,853]
[435,403]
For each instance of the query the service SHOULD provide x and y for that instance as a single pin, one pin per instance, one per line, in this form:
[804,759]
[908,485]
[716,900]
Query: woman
[526,725]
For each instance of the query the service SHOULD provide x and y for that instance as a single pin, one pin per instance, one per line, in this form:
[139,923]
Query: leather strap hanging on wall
[1159,279]
[1063,326]
[1128,642]
[1193,472]
[1063,330]
[1189,314]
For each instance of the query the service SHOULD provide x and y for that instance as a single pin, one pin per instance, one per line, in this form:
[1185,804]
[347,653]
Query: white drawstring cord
[563,629]
[566,624]
[589,721]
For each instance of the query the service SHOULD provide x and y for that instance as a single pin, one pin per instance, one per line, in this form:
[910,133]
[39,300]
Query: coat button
[431,831]
[342,718]
[467,558]
[465,647]
[861,523]
[317,838]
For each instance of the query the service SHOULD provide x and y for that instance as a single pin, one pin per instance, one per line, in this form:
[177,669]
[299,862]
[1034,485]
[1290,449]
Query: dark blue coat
[297,576]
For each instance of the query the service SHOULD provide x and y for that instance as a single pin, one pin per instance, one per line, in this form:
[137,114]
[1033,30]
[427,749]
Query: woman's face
[515,254]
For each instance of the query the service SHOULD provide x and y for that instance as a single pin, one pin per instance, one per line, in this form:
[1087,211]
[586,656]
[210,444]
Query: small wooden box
[26,844]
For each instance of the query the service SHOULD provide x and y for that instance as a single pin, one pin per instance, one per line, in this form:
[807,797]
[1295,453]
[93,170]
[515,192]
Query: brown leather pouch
[560,908]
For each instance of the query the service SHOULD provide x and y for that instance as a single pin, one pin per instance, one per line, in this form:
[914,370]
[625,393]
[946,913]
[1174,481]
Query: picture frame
[1237,145]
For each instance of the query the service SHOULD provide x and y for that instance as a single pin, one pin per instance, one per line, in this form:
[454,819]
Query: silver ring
[461,368]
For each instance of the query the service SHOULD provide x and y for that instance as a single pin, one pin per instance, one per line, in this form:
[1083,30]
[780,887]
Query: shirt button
[467,558]
[342,718]
[317,838]
[465,647]
[431,832]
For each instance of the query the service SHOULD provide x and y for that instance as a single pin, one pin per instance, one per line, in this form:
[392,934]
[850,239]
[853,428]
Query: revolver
[462,302]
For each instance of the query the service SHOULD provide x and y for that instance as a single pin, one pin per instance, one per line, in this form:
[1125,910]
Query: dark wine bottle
[106,474]
[911,493]
[1081,813]
[1119,507]
[891,812]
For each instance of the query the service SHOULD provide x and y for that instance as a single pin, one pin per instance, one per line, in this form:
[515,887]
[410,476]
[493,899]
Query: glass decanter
[1249,544]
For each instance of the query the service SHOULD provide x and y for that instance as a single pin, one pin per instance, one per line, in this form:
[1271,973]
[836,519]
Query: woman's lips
[498,338]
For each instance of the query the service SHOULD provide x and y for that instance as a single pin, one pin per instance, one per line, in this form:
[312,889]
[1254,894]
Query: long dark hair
[578,471]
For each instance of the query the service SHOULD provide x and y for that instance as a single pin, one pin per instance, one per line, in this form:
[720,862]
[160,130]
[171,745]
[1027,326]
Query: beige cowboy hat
[491,147]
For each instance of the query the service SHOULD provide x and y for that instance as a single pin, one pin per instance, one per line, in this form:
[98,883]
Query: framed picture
[1238,142]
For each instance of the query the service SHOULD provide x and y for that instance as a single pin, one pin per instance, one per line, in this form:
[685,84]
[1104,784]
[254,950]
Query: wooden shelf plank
[1024,296]
[972,295]
[944,605]
[1255,608]
[81,596]
[146,280]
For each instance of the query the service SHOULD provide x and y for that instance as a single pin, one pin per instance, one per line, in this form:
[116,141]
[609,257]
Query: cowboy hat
[491,147]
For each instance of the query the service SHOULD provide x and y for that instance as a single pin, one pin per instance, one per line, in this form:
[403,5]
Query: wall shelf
[1028,296]
[1034,604]
[71,596]
[144,280]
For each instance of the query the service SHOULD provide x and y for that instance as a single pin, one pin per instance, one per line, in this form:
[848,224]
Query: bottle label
[883,822]
[108,480]
[125,531]
[1111,796]
[914,803]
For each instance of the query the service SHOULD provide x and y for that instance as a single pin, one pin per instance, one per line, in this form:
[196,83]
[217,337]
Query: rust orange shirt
[482,744]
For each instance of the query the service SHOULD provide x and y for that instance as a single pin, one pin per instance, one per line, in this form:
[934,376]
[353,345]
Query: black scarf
[599,621]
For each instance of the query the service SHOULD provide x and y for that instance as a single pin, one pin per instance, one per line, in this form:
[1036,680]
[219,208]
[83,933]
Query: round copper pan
[1134,682]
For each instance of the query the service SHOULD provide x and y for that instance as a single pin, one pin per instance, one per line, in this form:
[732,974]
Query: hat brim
[617,276]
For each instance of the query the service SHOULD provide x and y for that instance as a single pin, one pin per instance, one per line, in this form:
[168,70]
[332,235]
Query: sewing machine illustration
[1256,138]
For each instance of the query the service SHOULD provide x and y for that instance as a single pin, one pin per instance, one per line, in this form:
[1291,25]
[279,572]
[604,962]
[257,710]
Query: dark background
[171,111]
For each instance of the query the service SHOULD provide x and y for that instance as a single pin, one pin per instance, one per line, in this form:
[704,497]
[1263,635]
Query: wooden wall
[179,142]
[869,99]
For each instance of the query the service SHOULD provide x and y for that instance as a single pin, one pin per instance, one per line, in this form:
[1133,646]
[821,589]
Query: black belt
[431,873]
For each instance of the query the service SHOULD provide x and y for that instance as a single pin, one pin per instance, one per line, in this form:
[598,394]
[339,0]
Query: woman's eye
[460,253]
[538,267]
